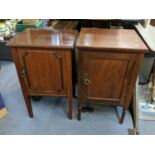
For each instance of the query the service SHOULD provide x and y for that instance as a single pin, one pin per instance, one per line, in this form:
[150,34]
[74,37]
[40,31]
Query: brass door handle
[87,82]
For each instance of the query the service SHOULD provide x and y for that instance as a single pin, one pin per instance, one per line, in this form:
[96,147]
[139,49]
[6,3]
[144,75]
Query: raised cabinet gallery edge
[108,64]
[43,60]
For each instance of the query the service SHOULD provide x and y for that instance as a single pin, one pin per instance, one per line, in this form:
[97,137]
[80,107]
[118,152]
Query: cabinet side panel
[137,59]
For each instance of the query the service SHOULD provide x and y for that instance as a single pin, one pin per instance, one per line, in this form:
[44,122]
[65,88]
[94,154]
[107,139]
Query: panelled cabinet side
[138,59]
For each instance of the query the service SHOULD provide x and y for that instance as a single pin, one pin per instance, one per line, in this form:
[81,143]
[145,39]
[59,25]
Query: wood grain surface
[118,39]
[45,38]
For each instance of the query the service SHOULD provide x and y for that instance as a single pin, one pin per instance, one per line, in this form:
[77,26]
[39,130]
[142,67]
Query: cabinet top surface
[51,38]
[110,39]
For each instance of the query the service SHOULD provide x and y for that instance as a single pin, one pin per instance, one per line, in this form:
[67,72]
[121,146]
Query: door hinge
[23,71]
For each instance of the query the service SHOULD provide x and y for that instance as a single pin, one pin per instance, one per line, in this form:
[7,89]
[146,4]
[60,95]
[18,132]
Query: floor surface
[50,113]
[146,122]
[146,127]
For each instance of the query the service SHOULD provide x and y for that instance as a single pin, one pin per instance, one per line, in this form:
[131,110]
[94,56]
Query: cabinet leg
[122,116]
[79,112]
[21,79]
[28,105]
[74,91]
[70,102]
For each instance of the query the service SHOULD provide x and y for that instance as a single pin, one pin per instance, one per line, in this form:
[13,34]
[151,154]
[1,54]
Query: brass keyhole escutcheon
[87,82]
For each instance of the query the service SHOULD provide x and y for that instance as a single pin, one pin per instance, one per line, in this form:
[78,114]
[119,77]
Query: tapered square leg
[79,112]
[28,105]
[70,102]
[122,116]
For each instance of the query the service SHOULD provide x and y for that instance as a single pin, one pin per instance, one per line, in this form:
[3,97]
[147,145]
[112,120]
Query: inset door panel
[105,76]
[43,71]
[108,76]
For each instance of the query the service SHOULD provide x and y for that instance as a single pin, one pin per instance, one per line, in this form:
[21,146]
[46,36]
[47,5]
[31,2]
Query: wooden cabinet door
[105,76]
[43,70]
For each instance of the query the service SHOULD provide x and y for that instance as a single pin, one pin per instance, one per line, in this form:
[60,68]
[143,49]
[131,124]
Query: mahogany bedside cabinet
[108,64]
[43,60]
